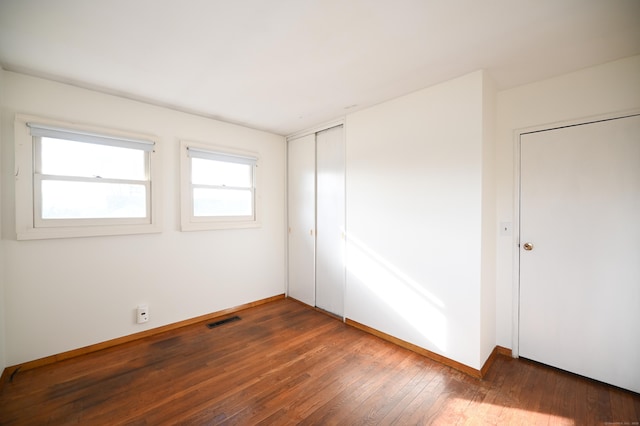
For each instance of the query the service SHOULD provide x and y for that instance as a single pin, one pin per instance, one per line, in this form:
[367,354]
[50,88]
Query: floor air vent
[224,321]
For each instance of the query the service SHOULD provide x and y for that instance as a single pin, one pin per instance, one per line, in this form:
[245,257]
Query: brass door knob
[528,246]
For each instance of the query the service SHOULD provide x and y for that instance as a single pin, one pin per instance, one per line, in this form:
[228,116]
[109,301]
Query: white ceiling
[285,65]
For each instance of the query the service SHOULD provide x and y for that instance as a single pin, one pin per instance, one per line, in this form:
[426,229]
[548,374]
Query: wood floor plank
[289,374]
[422,408]
[389,393]
[276,402]
[284,363]
[563,401]
[622,407]
[337,407]
[598,403]
[483,396]
[330,377]
[364,408]
[432,372]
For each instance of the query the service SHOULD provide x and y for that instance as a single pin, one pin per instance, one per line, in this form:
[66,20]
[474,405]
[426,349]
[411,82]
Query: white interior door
[330,220]
[580,278]
[301,216]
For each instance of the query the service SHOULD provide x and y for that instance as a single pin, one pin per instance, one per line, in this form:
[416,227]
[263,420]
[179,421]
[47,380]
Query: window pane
[220,173]
[69,158]
[222,202]
[87,200]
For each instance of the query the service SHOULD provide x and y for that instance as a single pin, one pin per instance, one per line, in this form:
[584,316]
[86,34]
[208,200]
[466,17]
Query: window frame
[29,221]
[190,222]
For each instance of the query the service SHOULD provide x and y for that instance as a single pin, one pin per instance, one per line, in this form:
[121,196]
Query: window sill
[212,226]
[85,231]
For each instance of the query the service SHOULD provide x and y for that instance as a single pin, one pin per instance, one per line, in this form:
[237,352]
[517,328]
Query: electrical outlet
[142,314]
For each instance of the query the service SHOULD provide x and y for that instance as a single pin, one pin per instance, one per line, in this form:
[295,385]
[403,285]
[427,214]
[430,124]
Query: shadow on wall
[410,301]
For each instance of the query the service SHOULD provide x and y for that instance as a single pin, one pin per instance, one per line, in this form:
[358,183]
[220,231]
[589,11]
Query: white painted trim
[26,226]
[515,324]
[517,133]
[344,234]
[315,217]
[286,218]
[578,121]
[316,129]
[190,223]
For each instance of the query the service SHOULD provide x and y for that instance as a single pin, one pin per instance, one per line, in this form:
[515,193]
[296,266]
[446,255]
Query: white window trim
[189,222]
[26,219]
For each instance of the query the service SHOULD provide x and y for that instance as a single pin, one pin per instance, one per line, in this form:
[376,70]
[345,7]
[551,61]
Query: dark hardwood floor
[284,363]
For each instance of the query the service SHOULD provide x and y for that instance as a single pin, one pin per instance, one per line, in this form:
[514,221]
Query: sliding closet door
[301,212]
[330,217]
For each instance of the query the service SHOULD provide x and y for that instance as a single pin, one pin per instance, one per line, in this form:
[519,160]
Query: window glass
[222,202]
[85,180]
[69,158]
[220,173]
[89,200]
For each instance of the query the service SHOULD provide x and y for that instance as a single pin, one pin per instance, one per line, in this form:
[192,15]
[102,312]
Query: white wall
[68,293]
[415,210]
[603,89]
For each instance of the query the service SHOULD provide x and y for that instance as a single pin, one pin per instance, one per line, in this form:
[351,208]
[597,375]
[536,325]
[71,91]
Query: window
[218,188]
[74,181]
